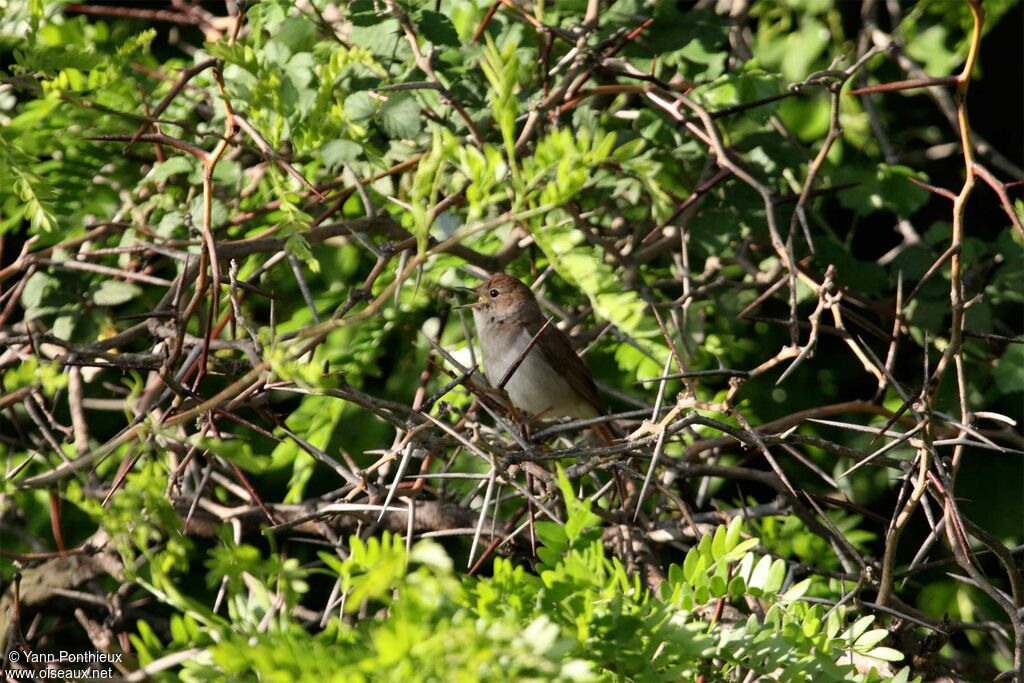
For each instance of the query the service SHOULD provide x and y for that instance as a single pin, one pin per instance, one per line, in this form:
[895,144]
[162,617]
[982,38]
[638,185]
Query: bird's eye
[493,293]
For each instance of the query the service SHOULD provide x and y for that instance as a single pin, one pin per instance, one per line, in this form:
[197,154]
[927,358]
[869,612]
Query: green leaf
[162,170]
[776,575]
[114,293]
[359,106]
[870,639]
[746,566]
[690,564]
[1009,372]
[236,451]
[553,536]
[579,518]
[336,152]
[832,623]
[797,591]
[803,48]
[64,326]
[732,536]
[807,115]
[733,89]
[931,47]
[675,575]
[759,577]
[218,212]
[903,676]
[884,187]
[38,288]
[859,627]
[886,654]
[437,28]
[383,38]
[38,198]
[704,548]
[297,33]
[741,549]
[400,115]
[718,543]
[811,622]
[427,552]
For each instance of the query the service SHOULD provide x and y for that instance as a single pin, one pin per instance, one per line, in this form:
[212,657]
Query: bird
[551,381]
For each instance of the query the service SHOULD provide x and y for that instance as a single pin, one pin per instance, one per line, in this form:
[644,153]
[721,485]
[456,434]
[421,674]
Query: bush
[246,435]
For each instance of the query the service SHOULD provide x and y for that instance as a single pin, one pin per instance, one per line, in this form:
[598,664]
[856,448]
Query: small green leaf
[400,115]
[870,639]
[776,576]
[797,591]
[38,287]
[337,151]
[859,627]
[718,546]
[811,623]
[431,554]
[832,624]
[732,536]
[218,212]
[704,547]
[359,106]
[1009,372]
[803,48]
[579,518]
[746,566]
[760,574]
[64,326]
[903,676]
[437,28]
[552,535]
[675,575]
[114,293]
[690,564]
[886,654]
[883,188]
[162,170]
[740,550]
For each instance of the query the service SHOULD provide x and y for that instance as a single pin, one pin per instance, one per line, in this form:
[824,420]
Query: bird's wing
[559,354]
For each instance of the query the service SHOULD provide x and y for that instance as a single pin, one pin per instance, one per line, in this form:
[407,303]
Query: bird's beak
[471,292]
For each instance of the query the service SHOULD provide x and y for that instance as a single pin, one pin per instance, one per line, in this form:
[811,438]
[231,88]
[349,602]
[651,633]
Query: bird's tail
[604,433]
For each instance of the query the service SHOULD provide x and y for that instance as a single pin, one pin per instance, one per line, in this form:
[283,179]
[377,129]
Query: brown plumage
[551,381]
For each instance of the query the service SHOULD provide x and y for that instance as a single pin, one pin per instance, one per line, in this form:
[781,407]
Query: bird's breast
[535,386]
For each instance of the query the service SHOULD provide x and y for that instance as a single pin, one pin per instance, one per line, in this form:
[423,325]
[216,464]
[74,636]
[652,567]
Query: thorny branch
[401,490]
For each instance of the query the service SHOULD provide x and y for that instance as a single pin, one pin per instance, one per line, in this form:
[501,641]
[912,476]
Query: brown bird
[551,381]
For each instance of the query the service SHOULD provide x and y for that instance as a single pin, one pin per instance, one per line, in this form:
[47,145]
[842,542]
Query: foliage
[230,355]
[582,617]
